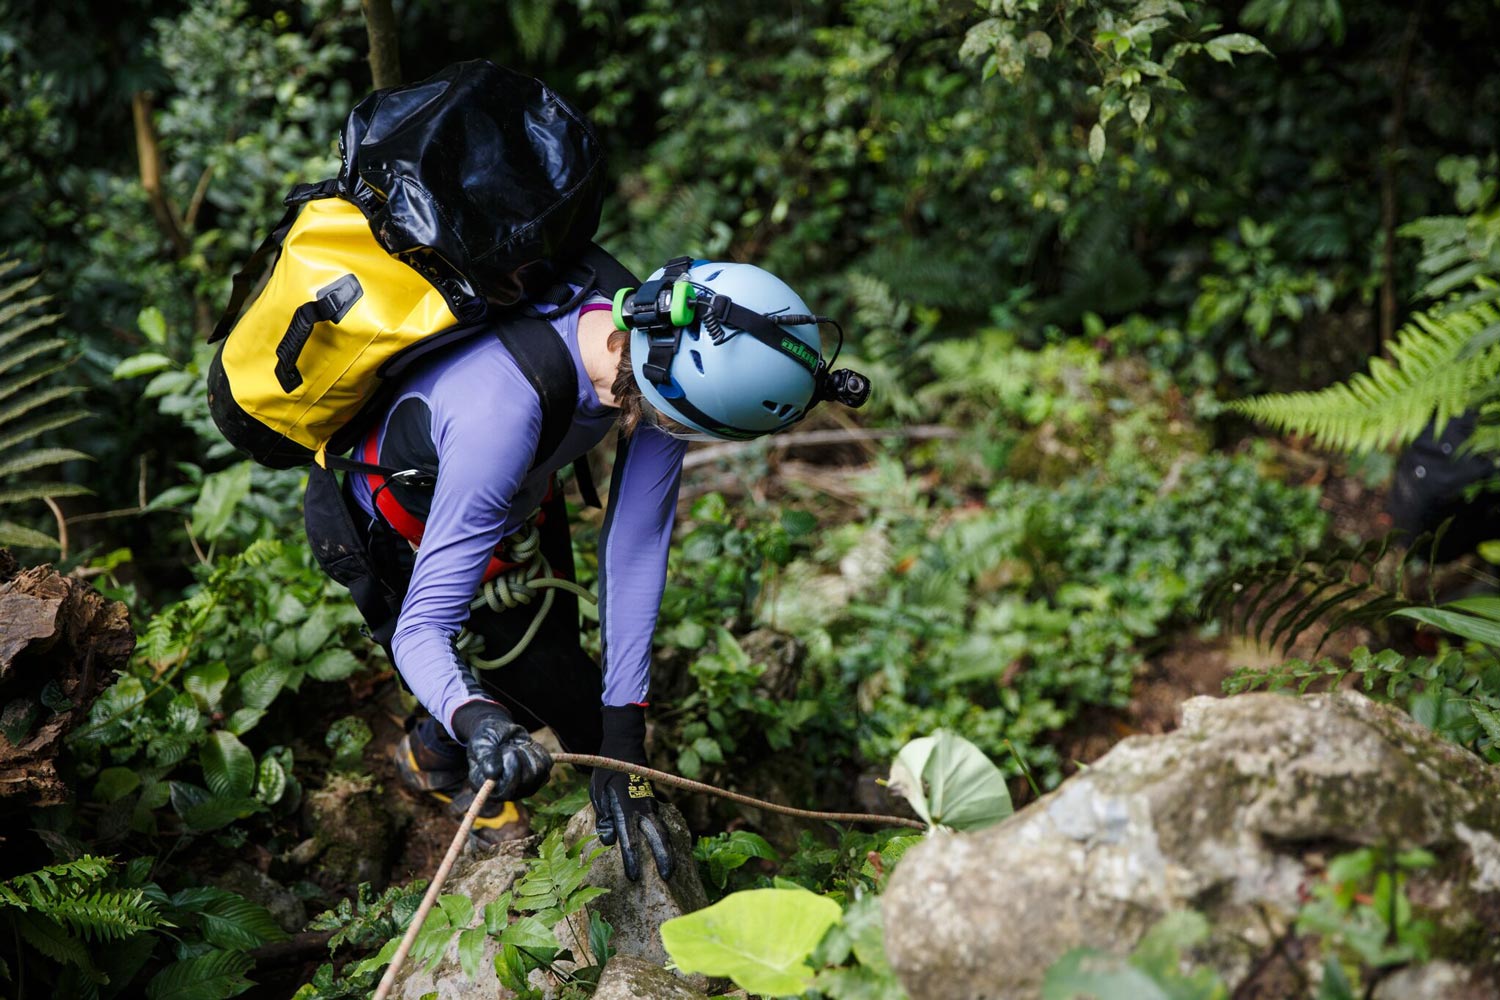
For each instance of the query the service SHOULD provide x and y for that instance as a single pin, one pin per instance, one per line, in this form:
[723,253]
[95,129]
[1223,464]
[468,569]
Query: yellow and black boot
[432,763]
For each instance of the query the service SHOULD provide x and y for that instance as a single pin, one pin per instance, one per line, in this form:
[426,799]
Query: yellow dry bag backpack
[450,192]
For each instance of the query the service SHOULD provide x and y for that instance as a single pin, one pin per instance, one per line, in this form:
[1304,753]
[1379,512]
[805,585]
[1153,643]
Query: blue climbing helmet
[729,349]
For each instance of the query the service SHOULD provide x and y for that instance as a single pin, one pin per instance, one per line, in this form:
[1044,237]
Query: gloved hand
[625,804]
[500,749]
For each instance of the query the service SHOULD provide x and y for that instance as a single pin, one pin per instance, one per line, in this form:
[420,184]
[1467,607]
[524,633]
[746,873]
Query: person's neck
[599,361]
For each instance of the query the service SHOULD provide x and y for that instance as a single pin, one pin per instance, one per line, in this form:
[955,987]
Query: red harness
[406,524]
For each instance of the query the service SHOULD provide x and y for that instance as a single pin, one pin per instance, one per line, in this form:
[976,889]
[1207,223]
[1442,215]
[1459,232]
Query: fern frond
[39,426]
[40,458]
[106,915]
[13,535]
[18,288]
[25,354]
[1336,586]
[1434,377]
[15,309]
[37,400]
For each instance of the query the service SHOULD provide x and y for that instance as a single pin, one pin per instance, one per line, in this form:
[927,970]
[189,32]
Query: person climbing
[474,541]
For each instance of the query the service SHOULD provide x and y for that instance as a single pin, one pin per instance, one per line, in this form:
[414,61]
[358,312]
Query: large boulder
[636,910]
[626,978]
[1232,815]
[483,880]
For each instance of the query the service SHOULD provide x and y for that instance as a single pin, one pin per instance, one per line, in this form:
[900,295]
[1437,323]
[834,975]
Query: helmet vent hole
[784,409]
[769,404]
[697,361]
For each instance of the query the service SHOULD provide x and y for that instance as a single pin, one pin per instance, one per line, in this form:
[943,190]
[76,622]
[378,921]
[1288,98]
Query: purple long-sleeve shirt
[484,419]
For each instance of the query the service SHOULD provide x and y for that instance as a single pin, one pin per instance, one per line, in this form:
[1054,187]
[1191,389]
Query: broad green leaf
[214,976]
[950,782]
[222,492]
[1086,973]
[231,921]
[333,665]
[1459,623]
[153,325]
[1489,551]
[1484,607]
[1140,106]
[471,950]
[206,684]
[228,765]
[460,909]
[1096,143]
[218,812]
[530,934]
[141,364]
[115,783]
[260,685]
[270,781]
[760,938]
[242,720]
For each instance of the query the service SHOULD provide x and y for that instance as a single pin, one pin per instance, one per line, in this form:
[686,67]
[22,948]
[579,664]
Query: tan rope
[609,764]
[414,928]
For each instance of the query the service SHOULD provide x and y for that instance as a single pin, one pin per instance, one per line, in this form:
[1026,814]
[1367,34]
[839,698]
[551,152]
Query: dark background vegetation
[1061,237]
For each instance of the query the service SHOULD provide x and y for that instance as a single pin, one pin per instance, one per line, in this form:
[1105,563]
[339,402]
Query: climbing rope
[515,588]
[388,980]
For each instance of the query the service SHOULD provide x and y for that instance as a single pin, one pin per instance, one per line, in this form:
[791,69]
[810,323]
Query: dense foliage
[1061,236]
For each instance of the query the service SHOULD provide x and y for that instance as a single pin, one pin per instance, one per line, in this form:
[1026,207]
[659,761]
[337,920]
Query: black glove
[624,804]
[500,749]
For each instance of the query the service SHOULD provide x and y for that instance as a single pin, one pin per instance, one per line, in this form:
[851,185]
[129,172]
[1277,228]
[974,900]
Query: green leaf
[333,665]
[212,814]
[1469,626]
[41,458]
[231,921]
[228,765]
[1223,47]
[153,325]
[460,909]
[1084,972]
[1096,142]
[1489,551]
[222,493]
[760,938]
[1140,106]
[16,536]
[141,364]
[115,783]
[206,684]
[530,934]
[471,950]
[270,781]
[214,976]
[260,685]
[949,781]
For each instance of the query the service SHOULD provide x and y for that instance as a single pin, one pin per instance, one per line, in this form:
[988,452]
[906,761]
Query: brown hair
[628,395]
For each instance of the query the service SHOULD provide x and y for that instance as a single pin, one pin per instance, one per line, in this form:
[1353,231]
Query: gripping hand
[500,749]
[625,804]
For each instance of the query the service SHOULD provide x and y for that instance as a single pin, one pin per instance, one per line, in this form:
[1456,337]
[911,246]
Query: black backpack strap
[255,266]
[542,357]
[344,553]
[609,275]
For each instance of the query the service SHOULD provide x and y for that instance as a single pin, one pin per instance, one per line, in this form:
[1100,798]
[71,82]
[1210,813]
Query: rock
[289,912]
[636,910]
[1433,981]
[1232,815]
[482,880]
[61,642]
[627,978]
[353,830]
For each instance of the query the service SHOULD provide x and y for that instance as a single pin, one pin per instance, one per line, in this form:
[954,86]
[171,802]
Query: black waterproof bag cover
[473,174]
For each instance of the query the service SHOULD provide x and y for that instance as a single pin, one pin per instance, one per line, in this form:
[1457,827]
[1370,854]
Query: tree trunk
[385,44]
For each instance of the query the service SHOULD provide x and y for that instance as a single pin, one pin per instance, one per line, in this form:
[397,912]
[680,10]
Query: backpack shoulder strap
[539,353]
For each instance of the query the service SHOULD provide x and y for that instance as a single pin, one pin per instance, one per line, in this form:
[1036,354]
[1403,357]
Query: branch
[385,43]
[781,442]
[148,153]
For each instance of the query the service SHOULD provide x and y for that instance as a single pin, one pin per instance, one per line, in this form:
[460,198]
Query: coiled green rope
[515,588]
